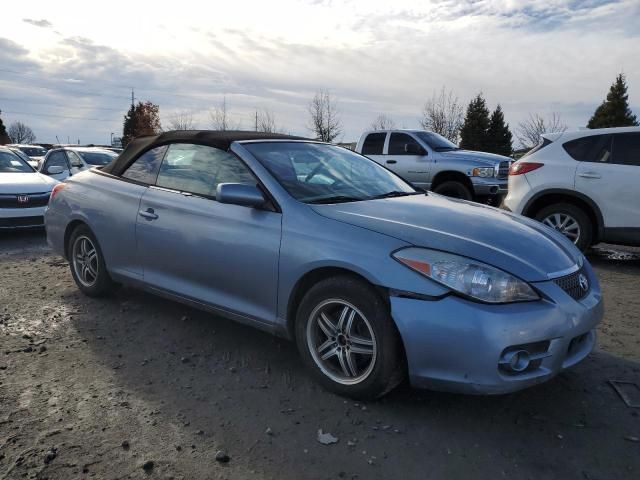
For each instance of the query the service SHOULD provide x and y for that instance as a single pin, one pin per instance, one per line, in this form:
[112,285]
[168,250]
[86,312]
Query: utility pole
[132,97]
[256,119]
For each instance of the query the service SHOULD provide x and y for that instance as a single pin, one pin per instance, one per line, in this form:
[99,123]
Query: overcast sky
[67,67]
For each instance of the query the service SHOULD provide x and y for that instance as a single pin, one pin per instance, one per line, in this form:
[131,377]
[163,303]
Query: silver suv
[431,162]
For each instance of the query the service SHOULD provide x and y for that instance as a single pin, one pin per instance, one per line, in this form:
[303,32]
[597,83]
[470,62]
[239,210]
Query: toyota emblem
[584,283]
[23,199]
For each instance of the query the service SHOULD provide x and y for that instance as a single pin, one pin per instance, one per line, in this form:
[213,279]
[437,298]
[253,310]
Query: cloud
[530,56]
[43,23]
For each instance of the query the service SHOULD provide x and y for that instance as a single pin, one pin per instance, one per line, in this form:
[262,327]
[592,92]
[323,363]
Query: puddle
[618,255]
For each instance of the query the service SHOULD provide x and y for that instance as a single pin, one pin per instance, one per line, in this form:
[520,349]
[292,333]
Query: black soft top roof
[212,138]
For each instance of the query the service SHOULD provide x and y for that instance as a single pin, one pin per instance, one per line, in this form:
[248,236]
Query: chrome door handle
[589,175]
[148,214]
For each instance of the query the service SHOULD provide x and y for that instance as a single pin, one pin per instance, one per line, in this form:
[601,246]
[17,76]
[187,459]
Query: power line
[34,102]
[58,116]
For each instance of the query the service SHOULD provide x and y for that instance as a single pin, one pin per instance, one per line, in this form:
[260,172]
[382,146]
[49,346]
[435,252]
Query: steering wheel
[314,172]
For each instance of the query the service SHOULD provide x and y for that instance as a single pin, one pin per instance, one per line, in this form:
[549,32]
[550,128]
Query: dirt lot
[102,388]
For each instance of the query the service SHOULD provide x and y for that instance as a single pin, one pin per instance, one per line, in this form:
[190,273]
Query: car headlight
[467,276]
[483,172]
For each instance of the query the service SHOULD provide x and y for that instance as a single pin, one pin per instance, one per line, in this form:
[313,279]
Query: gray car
[375,281]
[431,162]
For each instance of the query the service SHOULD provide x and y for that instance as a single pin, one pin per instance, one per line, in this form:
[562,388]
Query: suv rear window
[626,148]
[541,145]
[594,148]
[373,144]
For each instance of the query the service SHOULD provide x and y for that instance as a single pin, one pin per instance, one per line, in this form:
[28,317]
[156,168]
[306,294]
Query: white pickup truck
[431,162]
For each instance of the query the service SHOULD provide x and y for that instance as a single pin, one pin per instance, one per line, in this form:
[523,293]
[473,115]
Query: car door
[219,254]
[408,159]
[75,162]
[57,158]
[373,147]
[609,175]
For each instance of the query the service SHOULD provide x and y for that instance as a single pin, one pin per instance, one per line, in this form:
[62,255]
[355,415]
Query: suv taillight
[518,168]
[55,190]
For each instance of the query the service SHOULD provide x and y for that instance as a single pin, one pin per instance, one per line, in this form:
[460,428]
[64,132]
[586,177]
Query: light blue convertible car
[375,281]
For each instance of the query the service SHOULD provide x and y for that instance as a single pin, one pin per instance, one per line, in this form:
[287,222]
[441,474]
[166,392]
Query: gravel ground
[134,386]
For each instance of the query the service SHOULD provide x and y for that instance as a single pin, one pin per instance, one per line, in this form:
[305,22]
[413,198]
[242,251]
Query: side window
[74,159]
[398,143]
[373,144]
[199,169]
[594,148]
[626,148]
[57,159]
[145,168]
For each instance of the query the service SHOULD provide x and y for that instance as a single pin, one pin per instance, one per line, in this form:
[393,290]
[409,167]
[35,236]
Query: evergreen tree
[473,134]
[141,119]
[614,111]
[4,136]
[499,135]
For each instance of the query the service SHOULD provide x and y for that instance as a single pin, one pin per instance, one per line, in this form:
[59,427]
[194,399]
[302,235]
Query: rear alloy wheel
[569,220]
[453,189]
[87,263]
[346,336]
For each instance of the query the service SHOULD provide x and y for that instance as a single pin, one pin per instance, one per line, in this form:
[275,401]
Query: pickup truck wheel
[454,189]
[569,220]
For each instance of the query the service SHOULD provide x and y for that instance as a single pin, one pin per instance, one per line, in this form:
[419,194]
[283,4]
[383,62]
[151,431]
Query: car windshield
[437,142]
[12,163]
[97,158]
[21,154]
[34,151]
[320,173]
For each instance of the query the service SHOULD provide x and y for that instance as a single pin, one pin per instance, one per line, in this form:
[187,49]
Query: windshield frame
[400,183]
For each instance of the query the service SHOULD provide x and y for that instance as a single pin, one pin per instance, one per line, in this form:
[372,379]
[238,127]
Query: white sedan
[24,193]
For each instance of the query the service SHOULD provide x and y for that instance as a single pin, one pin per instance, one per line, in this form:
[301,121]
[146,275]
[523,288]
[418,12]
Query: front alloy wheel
[341,341]
[347,338]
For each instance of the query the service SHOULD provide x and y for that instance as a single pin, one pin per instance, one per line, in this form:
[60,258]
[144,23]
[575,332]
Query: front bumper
[456,345]
[15,218]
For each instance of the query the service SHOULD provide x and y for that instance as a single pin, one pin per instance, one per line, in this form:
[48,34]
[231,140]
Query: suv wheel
[569,220]
[87,263]
[453,189]
[347,338]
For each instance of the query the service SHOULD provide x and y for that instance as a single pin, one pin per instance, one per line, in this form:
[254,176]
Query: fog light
[518,361]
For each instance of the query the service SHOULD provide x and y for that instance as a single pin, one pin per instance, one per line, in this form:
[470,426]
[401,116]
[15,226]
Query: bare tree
[529,131]
[21,133]
[266,122]
[325,120]
[383,122]
[443,114]
[182,121]
[220,119]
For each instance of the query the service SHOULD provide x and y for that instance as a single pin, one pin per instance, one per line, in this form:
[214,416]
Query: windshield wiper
[335,199]
[392,194]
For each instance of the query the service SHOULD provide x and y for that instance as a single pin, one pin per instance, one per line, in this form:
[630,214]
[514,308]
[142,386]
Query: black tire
[585,234]
[102,283]
[454,189]
[380,372]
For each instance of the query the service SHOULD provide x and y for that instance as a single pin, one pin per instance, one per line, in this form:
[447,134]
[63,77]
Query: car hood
[515,244]
[487,158]
[32,182]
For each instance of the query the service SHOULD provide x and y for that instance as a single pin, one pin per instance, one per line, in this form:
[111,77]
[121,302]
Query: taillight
[518,168]
[56,189]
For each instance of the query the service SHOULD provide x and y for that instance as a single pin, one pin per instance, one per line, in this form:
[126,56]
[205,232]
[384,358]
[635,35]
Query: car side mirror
[414,149]
[55,170]
[240,194]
